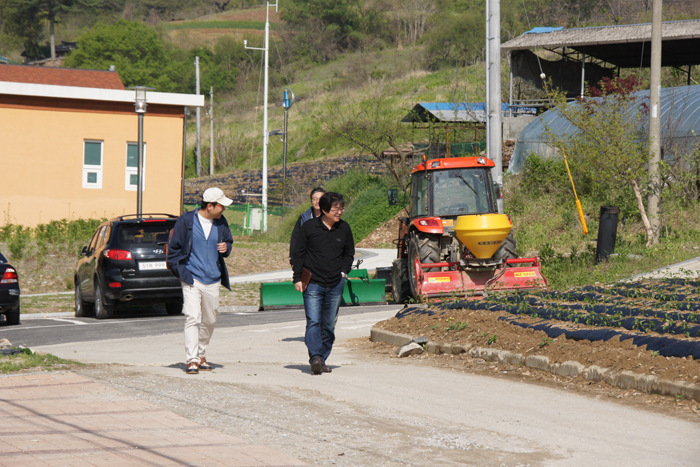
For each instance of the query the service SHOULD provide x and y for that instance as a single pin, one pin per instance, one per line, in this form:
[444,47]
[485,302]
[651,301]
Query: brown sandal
[203,365]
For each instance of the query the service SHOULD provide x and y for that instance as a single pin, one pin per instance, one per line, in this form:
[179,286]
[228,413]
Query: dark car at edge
[9,292]
[124,263]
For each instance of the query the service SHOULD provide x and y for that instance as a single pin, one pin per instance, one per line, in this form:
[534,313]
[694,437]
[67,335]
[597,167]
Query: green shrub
[368,210]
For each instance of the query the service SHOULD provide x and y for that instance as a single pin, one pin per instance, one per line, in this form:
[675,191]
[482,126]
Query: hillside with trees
[356,67]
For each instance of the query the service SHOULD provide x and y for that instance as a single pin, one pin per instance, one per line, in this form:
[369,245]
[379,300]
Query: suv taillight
[122,255]
[10,277]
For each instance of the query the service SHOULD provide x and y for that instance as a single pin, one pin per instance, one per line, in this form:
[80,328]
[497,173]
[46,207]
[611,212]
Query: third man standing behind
[326,248]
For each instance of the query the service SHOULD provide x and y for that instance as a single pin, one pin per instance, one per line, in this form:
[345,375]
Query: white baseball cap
[216,195]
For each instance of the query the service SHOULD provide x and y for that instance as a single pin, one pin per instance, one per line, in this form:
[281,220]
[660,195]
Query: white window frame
[134,170]
[89,168]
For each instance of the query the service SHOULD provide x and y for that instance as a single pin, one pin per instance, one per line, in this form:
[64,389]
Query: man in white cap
[198,244]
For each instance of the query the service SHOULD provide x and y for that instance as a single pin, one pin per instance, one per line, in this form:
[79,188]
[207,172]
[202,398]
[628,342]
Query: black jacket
[326,253]
[180,247]
[305,216]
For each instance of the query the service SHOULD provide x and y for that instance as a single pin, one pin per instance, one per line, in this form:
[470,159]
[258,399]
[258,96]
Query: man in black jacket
[324,247]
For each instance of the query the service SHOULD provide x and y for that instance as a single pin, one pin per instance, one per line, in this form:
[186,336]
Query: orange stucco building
[69,149]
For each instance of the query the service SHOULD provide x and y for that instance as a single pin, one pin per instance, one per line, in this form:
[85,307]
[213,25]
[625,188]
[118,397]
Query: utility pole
[211,130]
[266,136]
[486,67]
[494,140]
[655,122]
[198,155]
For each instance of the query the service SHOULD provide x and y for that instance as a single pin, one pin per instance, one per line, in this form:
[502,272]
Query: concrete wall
[42,159]
[512,126]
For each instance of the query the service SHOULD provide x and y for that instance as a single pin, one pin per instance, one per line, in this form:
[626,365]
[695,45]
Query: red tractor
[454,242]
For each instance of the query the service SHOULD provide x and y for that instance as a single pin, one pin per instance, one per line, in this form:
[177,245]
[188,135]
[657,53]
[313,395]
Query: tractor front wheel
[400,286]
[507,249]
[422,248]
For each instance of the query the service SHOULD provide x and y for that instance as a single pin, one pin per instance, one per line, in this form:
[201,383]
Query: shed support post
[583,72]
[510,89]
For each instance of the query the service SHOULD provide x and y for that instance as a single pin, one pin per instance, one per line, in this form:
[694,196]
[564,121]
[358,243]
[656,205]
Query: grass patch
[241,295]
[48,304]
[28,359]
[546,224]
[235,216]
[366,206]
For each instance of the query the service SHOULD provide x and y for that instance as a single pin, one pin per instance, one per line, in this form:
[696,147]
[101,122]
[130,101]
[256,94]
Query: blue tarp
[541,29]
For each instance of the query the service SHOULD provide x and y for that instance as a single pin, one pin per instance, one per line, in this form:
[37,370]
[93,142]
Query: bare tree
[373,127]
[413,16]
[221,5]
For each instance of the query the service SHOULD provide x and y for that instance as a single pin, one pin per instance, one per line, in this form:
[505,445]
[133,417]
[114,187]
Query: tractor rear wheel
[400,287]
[422,248]
[507,249]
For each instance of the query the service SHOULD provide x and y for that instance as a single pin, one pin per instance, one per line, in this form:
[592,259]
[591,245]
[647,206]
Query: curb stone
[624,380]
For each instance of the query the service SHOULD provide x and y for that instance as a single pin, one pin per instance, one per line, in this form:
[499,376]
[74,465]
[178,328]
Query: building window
[92,164]
[132,164]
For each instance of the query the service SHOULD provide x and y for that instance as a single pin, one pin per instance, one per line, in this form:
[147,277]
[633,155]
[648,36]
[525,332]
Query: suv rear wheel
[174,307]
[82,308]
[12,317]
[103,308]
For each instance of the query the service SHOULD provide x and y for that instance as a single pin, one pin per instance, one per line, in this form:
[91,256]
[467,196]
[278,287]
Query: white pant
[201,307]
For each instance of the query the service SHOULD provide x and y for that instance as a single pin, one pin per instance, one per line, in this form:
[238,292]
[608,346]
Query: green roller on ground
[359,290]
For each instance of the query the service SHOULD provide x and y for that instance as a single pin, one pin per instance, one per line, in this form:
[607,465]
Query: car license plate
[151,265]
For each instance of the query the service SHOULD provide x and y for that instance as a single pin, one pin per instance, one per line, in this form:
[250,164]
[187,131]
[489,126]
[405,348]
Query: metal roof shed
[622,46]
[449,112]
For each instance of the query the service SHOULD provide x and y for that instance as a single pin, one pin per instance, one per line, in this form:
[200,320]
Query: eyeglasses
[337,210]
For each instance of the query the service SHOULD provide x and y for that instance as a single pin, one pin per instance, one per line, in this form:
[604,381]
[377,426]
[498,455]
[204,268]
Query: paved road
[152,322]
[378,410]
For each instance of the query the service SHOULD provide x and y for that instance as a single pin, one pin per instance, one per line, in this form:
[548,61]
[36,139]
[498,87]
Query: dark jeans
[321,306]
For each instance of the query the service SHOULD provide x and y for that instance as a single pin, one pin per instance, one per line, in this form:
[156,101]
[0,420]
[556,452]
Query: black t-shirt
[325,252]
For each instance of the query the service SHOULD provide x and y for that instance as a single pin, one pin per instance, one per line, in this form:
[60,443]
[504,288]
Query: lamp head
[140,99]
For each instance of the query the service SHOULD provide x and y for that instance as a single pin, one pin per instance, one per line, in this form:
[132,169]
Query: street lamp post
[265,134]
[288,103]
[140,106]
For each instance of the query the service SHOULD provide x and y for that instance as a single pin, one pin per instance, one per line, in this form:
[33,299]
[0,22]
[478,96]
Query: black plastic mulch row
[668,284]
[666,346]
[574,296]
[611,310]
[661,326]
[414,311]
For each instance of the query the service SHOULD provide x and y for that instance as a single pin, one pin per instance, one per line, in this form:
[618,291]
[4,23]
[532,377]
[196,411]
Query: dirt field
[484,329]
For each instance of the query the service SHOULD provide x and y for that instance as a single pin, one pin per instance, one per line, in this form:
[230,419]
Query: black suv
[125,263]
[9,292]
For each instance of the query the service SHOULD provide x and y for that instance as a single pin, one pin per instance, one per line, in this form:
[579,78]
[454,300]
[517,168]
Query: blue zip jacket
[180,247]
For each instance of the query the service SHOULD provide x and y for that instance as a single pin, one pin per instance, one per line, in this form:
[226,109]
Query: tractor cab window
[420,195]
[459,192]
